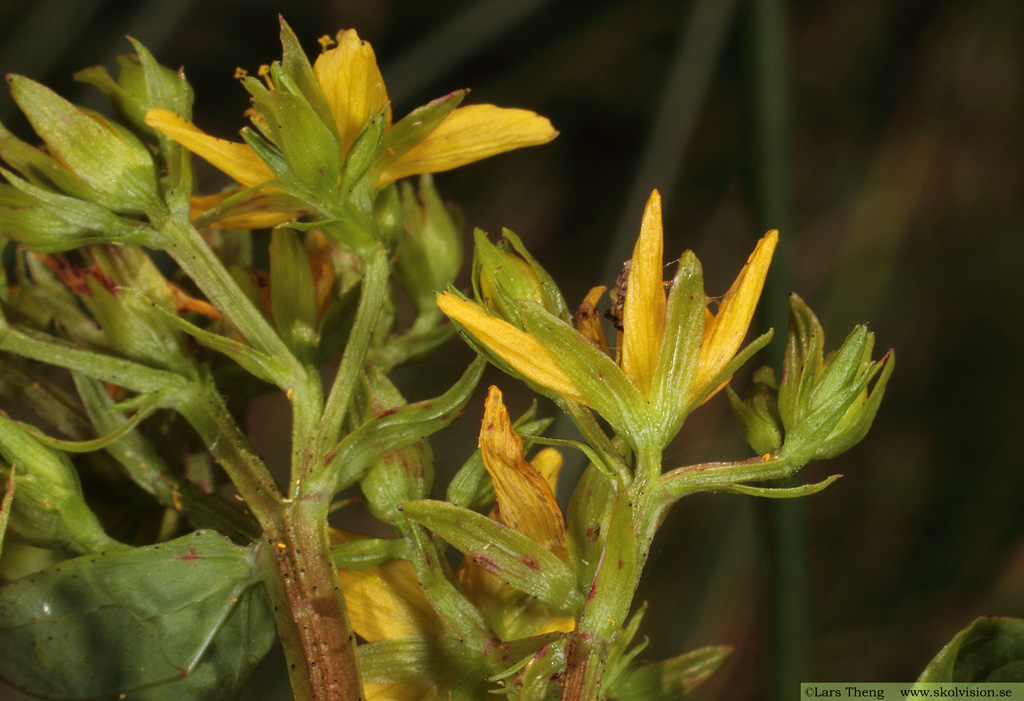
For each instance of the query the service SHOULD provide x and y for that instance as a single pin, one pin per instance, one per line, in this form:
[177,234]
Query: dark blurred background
[885,139]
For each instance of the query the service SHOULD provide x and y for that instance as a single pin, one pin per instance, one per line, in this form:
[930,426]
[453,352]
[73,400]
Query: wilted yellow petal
[257,219]
[724,332]
[470,134]
[525,500]
[237,160]
[520,350]
[588,321]
[643,315]
[351,82]
[386,601]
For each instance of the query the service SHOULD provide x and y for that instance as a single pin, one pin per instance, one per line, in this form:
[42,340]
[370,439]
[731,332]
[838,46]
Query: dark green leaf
[990,650]
[186,619]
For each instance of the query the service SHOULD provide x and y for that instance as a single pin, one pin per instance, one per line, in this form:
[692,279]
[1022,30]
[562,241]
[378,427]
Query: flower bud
[49,509]
[429,249]
[824,402]
[29,222]
[758,414]
[504,278]
[115,169]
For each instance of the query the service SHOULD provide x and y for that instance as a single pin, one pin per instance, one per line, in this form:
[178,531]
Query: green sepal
[309,145]
[677,363]
[554,302]
[596,375]
[40,168]
[359,450]
[671,679]
[292,293]
[361,154]
[506,553]
[412,129]
[184,619]
[274,158]
[620,654]
[858,419]
[388,216]
[472,486]
[428,256]
[586,521]
[403,474]
[803,360]
[106,156]
[503,280]
[989,651]
[296,66]
[49,510]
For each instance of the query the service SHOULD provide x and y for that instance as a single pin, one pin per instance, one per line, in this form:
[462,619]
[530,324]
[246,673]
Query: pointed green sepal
[292,293]
[596,375]
[671,679]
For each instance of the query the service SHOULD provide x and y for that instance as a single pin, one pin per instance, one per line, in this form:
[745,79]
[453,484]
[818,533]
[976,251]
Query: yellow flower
[354,90]
[642,348]
[386,602]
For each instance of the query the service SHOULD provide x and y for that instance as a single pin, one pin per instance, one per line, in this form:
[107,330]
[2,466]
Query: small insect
[618,296]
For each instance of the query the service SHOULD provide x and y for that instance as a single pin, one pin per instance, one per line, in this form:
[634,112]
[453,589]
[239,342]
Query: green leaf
[673,678]
[186,619]
[507,554]
[359,450]
[990,650]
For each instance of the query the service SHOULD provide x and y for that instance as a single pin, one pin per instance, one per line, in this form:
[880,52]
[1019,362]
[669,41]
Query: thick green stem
[371,300]
[312,621]
[630,531]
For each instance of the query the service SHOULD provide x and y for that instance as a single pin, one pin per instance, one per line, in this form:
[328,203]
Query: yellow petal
[237,160]
[520,350]
[257,219]
[525,500]
[548,462]
[470,134]
[725,331]
[351,82]
[398,691]
[387,602]
[643,315]
[588,321]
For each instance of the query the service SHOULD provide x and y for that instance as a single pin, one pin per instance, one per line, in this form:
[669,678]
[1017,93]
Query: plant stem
[312,621]
[629,533]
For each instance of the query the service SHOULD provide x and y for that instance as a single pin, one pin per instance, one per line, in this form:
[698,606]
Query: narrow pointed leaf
[674,678]
[507,554]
